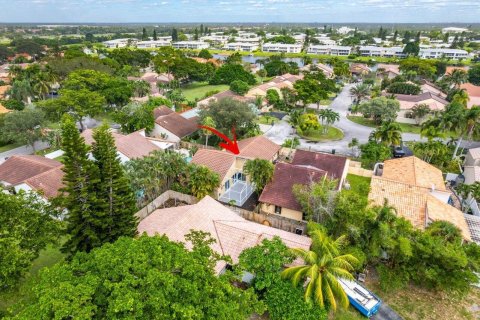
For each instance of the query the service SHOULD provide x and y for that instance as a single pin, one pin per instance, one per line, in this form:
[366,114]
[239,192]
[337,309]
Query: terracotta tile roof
[161,111]
[258,147]
[413,171]
[133,145]
[19,168]
[408,200]
[49,182]
[232,233]
[216,160]
[279,191]
[359,68]
[450,69]
[393,68]
[332,164]
[3,109]
[438,210]
[472,90]
[4,89]
[406,184]
[419,98]
[177,124]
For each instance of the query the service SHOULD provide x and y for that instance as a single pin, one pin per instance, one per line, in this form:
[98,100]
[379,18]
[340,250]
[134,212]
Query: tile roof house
[234,184]
[306,167]
[427,86]
[32,172]
[417,191]
[232,233]
[171,126]
[474,94]
[407,102]
[284,81]
[130,146]
[359,69]
[327,70]
[388,70]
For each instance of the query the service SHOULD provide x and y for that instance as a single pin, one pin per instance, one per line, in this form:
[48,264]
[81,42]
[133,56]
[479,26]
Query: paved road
[386,313]
[39,145]
[282,130]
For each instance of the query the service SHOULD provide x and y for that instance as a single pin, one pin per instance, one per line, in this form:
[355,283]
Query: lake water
[255,59]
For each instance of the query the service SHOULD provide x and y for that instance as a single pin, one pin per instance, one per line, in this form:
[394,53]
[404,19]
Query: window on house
[304,216]
[227,185]
[278,210]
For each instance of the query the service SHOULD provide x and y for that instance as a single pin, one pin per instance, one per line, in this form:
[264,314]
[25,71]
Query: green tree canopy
[25,127]
[373,152]
[27,225]
[148,277]
[380,109]
[228,73]
[229,113]
[135,116]
[474,75]
[240,87]
[260,172]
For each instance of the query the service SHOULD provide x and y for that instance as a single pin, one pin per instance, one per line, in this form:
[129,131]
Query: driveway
[39,145]
[386,313]
[282,130]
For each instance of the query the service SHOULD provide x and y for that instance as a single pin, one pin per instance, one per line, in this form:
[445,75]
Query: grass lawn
[413,303]
[267,120]
[406,127]
[318,135]
[359,184]
[10,147]
[22,293]
[346,314]
[197,90]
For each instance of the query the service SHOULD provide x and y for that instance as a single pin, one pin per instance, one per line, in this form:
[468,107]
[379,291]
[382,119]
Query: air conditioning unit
[298,231]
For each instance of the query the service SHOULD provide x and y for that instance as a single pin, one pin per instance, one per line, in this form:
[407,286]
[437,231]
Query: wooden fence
[355,168]
[160,201]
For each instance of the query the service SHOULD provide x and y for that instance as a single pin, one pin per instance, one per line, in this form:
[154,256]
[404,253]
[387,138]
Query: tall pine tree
[155,38]
[144,34]
[114,192]
[79,193]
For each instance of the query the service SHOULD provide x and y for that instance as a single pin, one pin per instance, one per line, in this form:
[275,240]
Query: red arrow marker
[229,145]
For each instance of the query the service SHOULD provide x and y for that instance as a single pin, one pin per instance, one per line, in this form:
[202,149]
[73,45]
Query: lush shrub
[239,86]
[403,88]
[286,302]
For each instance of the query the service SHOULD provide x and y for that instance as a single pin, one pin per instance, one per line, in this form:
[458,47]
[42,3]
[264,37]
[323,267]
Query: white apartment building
[281,47]
[119,43]
[374,51]
[191,45]
[326,41]
[437,53]
[248,40]
[152,44]
[216,38]
[329,50]
[454,30]
[345,30]
[241,46]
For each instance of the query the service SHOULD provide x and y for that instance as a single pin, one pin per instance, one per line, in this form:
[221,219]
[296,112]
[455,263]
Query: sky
[158,11]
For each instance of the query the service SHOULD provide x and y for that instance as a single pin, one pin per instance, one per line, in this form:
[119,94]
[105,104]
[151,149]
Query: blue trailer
[363,300]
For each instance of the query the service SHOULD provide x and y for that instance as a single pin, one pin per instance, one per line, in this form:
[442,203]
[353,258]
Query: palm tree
[461,97]
[323,265]
[360,92]
[388,134]
[353,144]
[419,111]
[329,116]
[457,78]
[209,122]
[432,129]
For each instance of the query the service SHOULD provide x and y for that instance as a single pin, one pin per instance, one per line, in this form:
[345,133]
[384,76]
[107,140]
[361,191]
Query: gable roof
[232,233]
[439,102]
[133,145]
[279,191]
[161,111]
[216,160]
[414,171]
[406,184]
[393,68]
[334,165]
[258,147]
[19,168]
[49,182]
[473,223]
[177,124]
